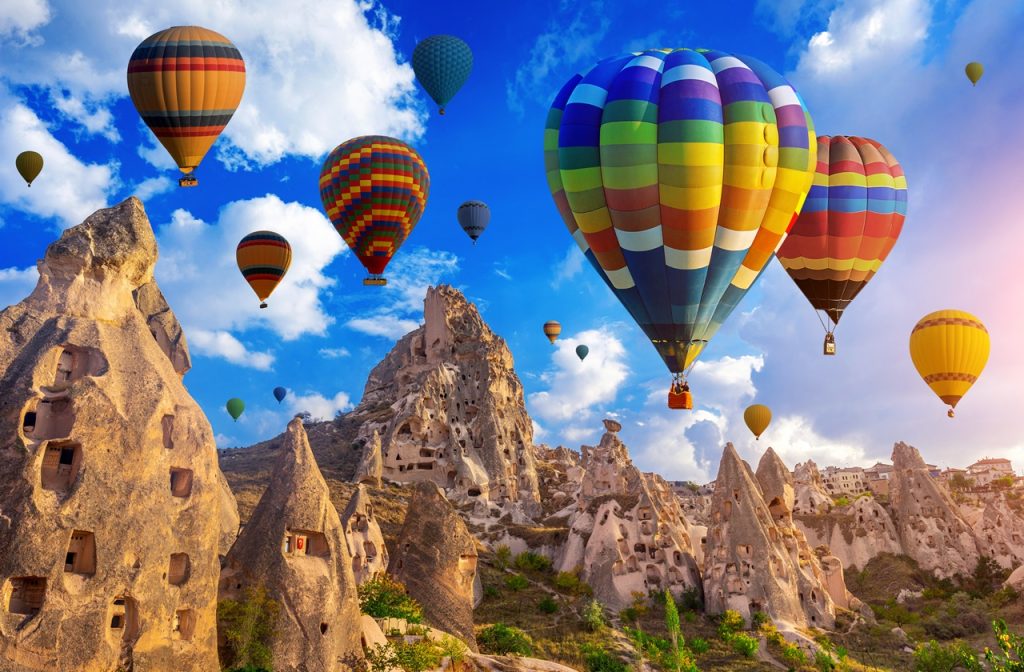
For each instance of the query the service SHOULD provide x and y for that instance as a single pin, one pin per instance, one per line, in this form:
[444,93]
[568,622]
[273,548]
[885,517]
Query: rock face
[754,560]
[1001,534]
[364,538]
[449,409]
[627,532]
[810,496]
[371,466]
[436,560]
[295,547]
[1016,580]
[930,528]
[103,441]
[854,533]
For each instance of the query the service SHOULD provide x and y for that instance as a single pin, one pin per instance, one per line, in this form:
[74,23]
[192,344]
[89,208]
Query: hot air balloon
[853,215]
[678,174]
[280,393]
[473,218]
[186,82]
[235,408]
[552,329]
[442,64]
[263,258]
[582,351]
[374,189]
[29,165]
[974,72]
[757,417]
[949,349]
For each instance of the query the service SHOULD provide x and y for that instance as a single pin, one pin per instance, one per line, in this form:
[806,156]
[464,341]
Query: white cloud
[569,267]
[501,271]
[225,346]
[334,353]
[387,326]
[306,89]
[93,115]
[318,406]
[795,439]
[575,387]
[153,186]
[198,273]
[16,284]
[19,17]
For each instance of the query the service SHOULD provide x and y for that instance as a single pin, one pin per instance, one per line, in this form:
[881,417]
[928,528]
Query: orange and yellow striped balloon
[263,258]
[186,82]
[949,349]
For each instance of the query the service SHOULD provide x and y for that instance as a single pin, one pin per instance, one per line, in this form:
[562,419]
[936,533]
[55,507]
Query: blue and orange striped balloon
[186,82]
[263,258]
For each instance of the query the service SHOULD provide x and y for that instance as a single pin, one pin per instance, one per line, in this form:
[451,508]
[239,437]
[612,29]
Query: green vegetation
[729,624]
[502,556]
[504,639]
[841,500]
[600,660]
[960,483]
[698,645]
[417,656]
[1010,656]
[569,582]
[516,582]
[793,655]
[1003,483]
[547,605]
[385,597]
[528,560]
[744,644]
[593,616]
[248,628]
[935,657]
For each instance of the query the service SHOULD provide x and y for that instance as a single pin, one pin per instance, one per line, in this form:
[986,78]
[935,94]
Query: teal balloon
[235,408]
[442,64]
[280,393]
[581,351]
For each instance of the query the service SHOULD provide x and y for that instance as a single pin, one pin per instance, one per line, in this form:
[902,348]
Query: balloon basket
[375,281]
[263,305]
[681,400]
[188,181]
[830,344]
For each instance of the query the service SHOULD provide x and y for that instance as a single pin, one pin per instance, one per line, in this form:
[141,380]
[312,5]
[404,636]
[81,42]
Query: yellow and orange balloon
[263,258]
[757,417]
[552,329]
[949,349]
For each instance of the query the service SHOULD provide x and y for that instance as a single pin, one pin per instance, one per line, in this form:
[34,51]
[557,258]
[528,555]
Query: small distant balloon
[29,165]
[473,218]
[442,64]
[581,352]
[974,72]
[235,408]
[280,393]
[552,329]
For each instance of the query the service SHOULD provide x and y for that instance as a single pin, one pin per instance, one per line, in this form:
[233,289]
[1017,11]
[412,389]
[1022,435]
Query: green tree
[454,649]
[934,657]
[593,616]
[528,560]
[960,483]
[385,597]
[1003,483]
[672,623]
[248,627]
[504,639]
[502,557]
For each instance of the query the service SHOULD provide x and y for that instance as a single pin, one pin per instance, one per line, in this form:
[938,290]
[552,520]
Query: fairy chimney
[364,538]
[371,466]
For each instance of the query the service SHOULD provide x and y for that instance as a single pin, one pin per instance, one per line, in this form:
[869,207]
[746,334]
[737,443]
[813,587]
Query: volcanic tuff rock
[295,547]
[364,538]
[1001,534]
[449,409]
[627,532]
[854,533]
[930,528]
[435,558]
[371,466]
[103,441]
[810,496]
[751,563]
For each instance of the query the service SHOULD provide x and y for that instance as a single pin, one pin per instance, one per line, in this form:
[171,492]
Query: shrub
[599,660]
[417,656]
[729,624]
[935,657]
[491,591]
[385,597]
[453,649]
[895,612]
[547,605]
[528,560]
[672,620]
[248,628]
[504,639]
[690,599]
[793,655]
[569,582]
[516,582]
[698,645]
[593,616]
[502,556]
[987,578]
[745,645]
[1010,656]
[758,619]
[841,501]
[961,617]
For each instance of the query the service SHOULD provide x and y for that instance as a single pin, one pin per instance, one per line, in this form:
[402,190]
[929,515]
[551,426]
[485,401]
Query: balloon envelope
[757,417]
[186,82]
[280,393]
[552,329]
[263,258]
[581,351]
[235,407]
[949,349]
[853,215]
[473,218]
[442,64]
[374,190]
[974,71]
[678,175]
[29,165]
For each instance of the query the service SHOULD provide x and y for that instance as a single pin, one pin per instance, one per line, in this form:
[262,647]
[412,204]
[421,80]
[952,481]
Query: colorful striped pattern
[186,83]
[263,258]
[853,216]
[374,189]
[949,349]
[679,172]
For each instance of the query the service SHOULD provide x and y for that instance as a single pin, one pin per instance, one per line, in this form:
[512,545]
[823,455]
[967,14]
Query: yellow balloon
[949,349]
[757,417]
[974,71]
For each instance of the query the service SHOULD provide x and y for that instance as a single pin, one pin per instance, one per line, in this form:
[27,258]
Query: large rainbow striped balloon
[853,216]
[679,172]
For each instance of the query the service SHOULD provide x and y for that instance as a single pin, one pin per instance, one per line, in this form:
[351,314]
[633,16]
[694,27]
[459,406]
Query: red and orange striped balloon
[263,258]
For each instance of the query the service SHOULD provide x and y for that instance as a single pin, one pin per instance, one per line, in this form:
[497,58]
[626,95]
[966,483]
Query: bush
[599,660]
[491,591]
[841,501]
[502,556]
[516,582]
[793,655]
[729,624]
[409,656]
[1010,656]
[593,616]
[698,645]
[895,612]
[569,582]
[745,645]
[248,628]
[691,600]
[528,560]
[963,616]
[547,605]
[453,649]
[935,657]
[758,619]
[385,597]
[501,639]
[824,661]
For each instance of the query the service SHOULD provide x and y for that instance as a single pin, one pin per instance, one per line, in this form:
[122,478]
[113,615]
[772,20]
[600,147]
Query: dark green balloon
[581,351]
[235,408]
[29,164]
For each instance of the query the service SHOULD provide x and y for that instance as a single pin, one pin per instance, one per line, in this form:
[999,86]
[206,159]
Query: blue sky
[324,72]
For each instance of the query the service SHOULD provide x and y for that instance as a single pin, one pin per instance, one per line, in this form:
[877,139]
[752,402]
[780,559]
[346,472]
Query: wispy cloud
[223,345]
[569,267]
[16,284]
[387,326]
[334,353]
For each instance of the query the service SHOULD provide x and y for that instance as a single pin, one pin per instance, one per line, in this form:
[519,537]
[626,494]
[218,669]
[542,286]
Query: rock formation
[294,546]
[371,466]
[810,496]
[1016,580]
[436,560]
[930,528]
[449,409]
[753,560]
[1000,534]
[364,538]
[103,442]
[627,532]
[854,533]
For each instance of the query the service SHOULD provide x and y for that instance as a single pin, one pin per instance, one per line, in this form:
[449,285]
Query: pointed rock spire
[372,465]
[364,538]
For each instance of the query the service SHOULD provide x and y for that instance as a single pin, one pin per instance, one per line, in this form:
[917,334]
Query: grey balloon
[473,218]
